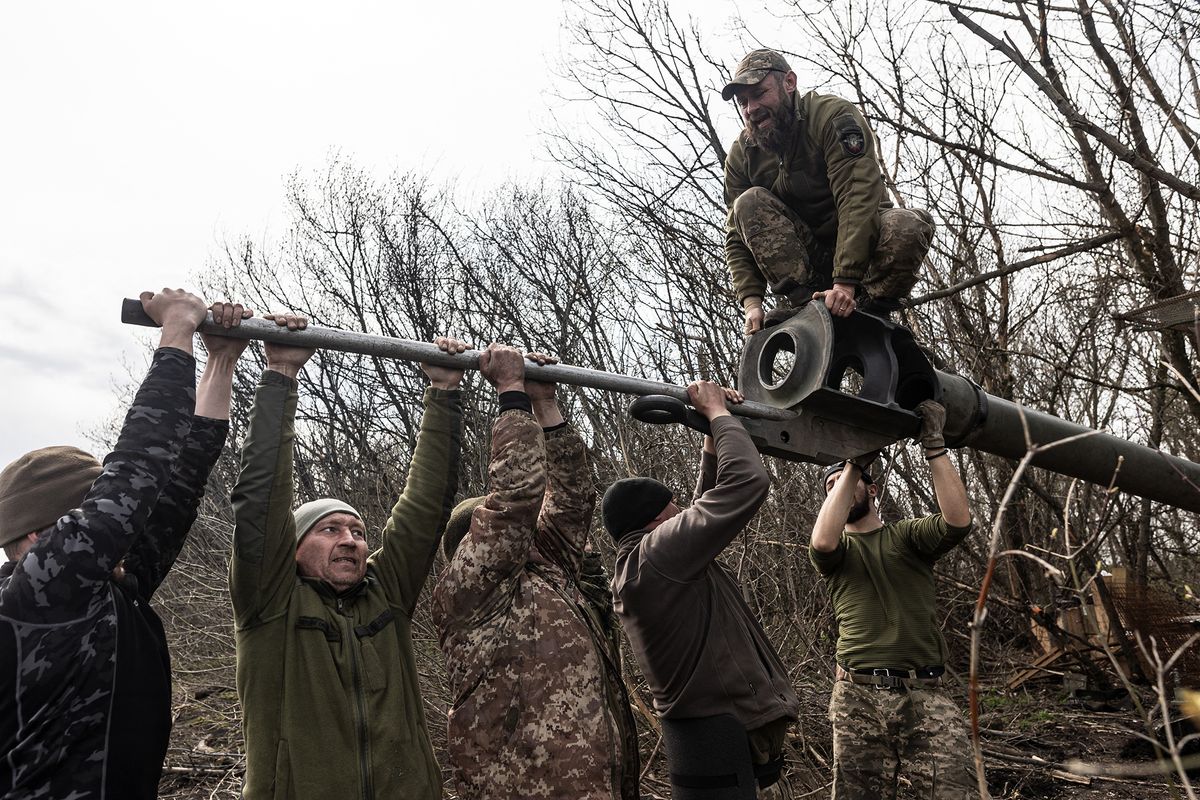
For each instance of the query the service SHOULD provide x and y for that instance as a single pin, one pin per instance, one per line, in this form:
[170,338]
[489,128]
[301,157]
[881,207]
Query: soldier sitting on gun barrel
[808,212]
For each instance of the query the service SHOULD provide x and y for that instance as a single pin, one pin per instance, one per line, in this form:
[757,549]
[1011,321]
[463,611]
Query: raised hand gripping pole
[809,417]
[409,350]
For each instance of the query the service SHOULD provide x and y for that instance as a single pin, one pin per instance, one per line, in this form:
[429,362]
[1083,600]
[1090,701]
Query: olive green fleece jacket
[836,191]
[331,706]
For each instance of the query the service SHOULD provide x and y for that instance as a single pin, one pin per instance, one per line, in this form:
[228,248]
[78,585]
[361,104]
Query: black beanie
[632,502]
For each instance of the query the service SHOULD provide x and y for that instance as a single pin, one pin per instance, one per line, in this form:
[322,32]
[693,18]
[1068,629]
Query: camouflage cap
[41,486]
[837,467]
[753,68]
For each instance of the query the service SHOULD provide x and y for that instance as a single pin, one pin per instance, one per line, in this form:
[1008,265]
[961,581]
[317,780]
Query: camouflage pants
[789,255]
[879,735]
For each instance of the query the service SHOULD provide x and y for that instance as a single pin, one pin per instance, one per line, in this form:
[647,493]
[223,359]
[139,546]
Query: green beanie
[459,523]
[311,513]
[41,486]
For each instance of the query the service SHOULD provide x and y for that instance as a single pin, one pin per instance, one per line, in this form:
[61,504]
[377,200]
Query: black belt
[894,677]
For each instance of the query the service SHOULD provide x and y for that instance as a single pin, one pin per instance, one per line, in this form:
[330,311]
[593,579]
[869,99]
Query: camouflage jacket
[829,175]
[331,705]
[539,708]
[85,678]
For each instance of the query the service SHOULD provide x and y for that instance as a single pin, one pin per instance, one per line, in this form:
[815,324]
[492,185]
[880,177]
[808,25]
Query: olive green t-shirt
[881,584]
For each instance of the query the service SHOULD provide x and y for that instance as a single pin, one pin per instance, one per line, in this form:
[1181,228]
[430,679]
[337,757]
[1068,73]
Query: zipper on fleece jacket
[360,703]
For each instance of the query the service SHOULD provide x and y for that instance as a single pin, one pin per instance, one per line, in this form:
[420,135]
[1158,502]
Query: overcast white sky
[137,137]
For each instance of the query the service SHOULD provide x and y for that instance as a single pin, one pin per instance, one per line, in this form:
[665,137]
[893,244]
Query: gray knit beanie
[311,513]
[41,486]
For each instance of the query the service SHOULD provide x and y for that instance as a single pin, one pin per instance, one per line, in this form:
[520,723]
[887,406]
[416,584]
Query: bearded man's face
[768,111]
[862,505]
[862,498]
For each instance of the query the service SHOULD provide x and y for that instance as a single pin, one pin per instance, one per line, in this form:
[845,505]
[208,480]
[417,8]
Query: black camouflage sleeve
[68,569]
[155,551]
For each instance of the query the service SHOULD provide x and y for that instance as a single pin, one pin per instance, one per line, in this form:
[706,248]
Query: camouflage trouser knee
[789,255]
[778,239]
[904,238]
[879,735]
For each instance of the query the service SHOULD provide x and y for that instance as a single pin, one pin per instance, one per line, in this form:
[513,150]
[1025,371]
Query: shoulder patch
[850,135]
[854,143]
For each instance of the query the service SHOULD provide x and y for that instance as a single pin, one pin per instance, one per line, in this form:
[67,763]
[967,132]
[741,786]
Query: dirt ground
[1028,737]
[1053,727]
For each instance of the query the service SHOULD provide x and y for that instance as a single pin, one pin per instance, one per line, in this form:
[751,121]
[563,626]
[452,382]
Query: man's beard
[859,510]
[775,137]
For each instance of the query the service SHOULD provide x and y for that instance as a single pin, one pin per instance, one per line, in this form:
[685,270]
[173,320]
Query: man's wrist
[751,301]
[547,412]
[550,417]
[177,334]
[446,386]
[223,362]
[290,370]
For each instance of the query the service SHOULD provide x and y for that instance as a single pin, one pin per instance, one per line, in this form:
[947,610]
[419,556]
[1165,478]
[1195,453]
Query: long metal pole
[409,350]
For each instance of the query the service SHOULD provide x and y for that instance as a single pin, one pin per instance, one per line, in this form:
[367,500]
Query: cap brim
[745,79]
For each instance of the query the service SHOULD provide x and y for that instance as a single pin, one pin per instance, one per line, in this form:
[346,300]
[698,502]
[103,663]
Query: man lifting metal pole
[801,411]
[409,350]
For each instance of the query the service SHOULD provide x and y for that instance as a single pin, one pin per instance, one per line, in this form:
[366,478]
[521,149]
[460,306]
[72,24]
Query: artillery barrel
[994,425]
[409,350]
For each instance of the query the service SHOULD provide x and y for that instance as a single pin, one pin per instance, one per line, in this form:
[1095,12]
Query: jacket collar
[629,541]
[325,590]
[800,103]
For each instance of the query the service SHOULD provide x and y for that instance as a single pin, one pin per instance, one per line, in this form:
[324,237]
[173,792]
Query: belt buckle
[883,673]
